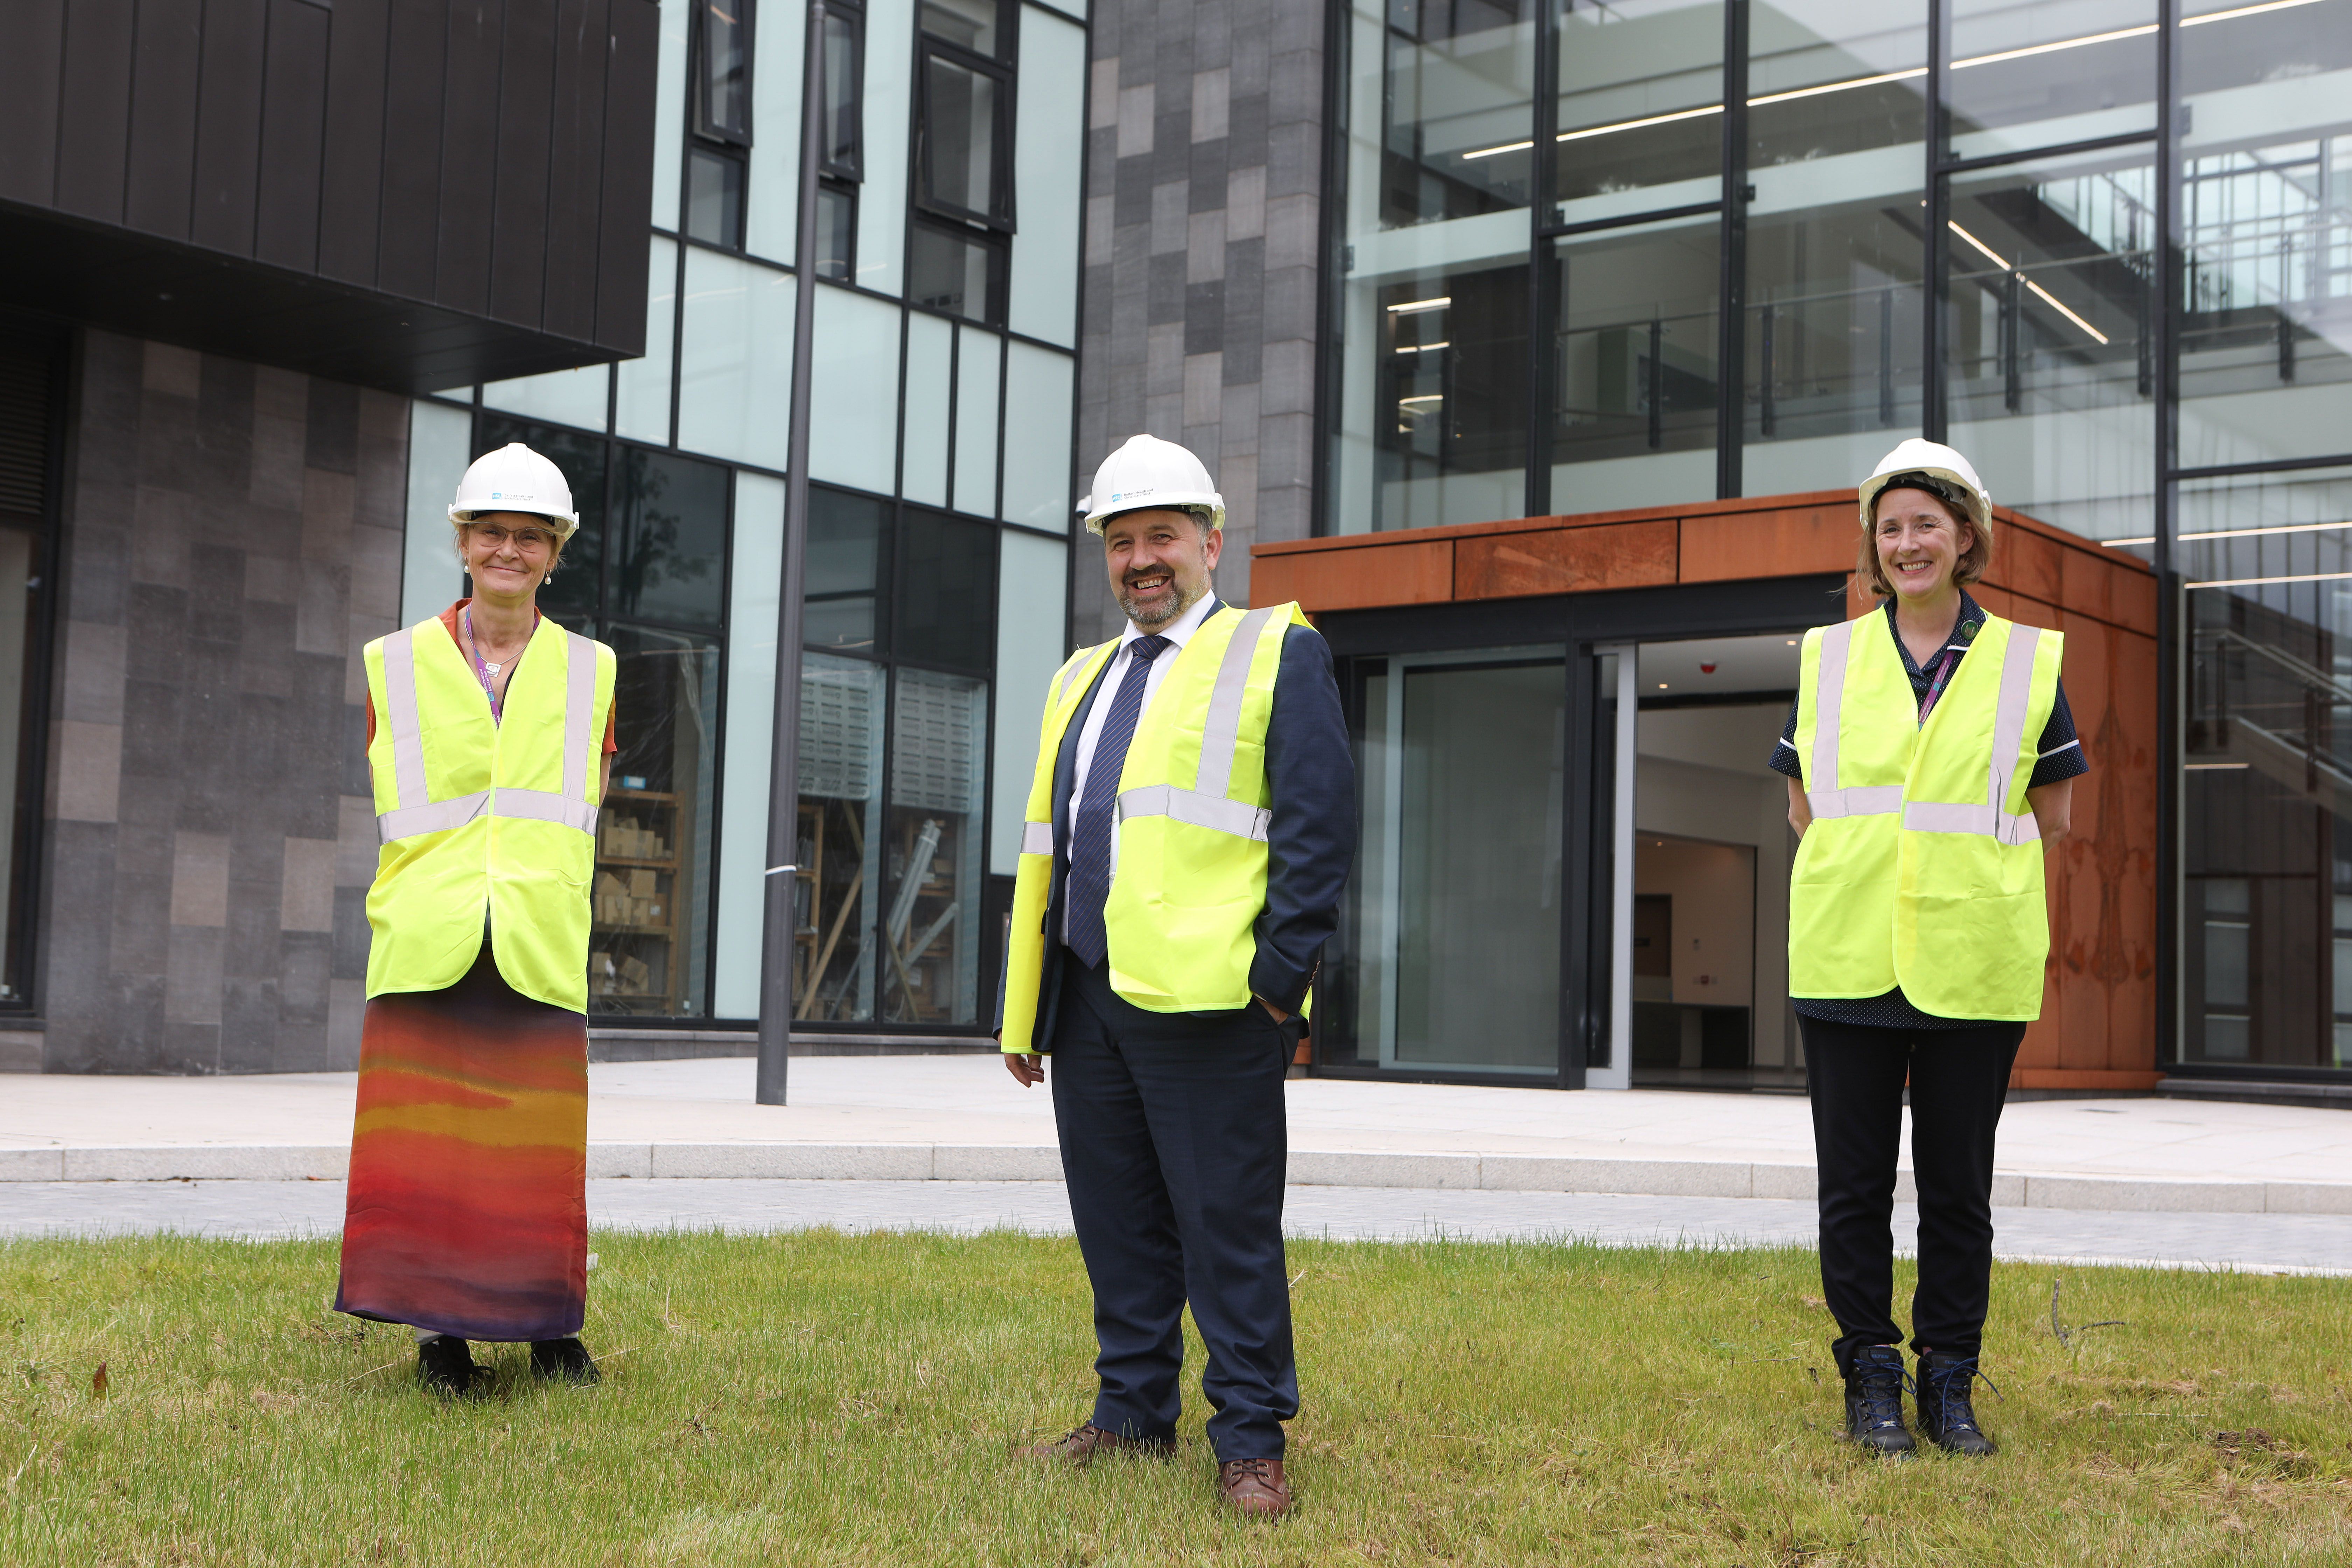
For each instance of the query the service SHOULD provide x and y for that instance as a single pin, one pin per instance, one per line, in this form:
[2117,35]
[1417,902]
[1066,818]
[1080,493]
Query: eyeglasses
[496,538]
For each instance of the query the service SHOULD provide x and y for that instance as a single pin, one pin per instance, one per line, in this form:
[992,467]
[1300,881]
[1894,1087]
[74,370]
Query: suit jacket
[1310,831]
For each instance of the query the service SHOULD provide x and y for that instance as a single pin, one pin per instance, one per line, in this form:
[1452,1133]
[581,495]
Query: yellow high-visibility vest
[480,817]
[1189,845]
[1923,865]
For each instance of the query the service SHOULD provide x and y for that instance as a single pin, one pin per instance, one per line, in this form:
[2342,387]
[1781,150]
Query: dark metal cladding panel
[228,126]
[32,55]
[293,124]
[353,162]
[630,73]
[164,116]
[518,229]
[94,109]
[576,167]
[411,232]
[469,137]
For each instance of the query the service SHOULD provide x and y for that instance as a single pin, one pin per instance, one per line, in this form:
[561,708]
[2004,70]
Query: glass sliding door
[1455,924]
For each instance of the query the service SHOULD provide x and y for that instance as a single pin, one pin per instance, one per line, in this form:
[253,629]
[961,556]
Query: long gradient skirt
[467,1211]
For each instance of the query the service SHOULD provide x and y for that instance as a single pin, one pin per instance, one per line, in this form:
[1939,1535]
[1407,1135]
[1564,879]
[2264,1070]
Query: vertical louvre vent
[24,433]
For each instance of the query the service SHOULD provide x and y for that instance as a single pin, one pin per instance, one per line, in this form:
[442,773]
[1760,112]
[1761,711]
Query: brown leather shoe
[1090,1442]
[1254,1488]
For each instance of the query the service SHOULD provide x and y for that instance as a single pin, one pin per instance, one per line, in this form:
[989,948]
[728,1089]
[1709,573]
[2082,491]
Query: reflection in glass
[669,537]
[845,534]
[649,942]
[1635,369]
[1458,109]
[1459,879]
[571,593]
[967,24]
[946,604]
[714,197]
[2041,73]
[840,149]
[837,233]
[1641,106]
[722,86]
[1452,379]
[960,273]
[840,838]
[958,156]
[931,936]
[2051,368]
[2266,224]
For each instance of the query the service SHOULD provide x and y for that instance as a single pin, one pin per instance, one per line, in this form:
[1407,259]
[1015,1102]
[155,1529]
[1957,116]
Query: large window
[645,574]
[895,686]
[958,249]
[28,413]
[716,152]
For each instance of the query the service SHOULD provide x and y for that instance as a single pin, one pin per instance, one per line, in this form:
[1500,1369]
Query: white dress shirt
[1176,635]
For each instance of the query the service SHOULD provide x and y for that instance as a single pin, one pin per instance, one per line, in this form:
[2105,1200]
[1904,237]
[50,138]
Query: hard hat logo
[1149,474]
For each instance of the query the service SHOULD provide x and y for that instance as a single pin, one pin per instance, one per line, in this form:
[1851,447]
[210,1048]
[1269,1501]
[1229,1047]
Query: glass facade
[1596,255]
[935,557]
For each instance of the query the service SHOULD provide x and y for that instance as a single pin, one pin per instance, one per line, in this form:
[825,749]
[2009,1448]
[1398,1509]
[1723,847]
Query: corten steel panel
[293,125]
[94,102]
[351,180]
[415,54]
[519,225]
[469,174]
[1566,560]
[2027,562]
[2087,582]
[1790,542]
[620,248]
[1357,579]
[228,126]
[31,69]
[164,117]
[575,168]
[2131,595]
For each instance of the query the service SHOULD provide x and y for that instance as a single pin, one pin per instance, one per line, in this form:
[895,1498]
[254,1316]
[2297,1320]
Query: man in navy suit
[1171,1042]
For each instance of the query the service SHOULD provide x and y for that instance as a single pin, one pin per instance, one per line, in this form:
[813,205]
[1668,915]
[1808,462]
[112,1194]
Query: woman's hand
[1800,810]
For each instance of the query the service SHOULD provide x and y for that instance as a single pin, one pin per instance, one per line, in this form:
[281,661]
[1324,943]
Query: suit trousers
[1958,1079]
[1175,1143]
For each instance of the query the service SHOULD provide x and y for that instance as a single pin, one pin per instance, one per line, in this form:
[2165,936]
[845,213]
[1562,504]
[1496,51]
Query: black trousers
[1175,1143]
[1958,1079]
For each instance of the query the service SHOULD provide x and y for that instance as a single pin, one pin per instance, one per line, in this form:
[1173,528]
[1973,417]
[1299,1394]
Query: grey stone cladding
[232,538]
[1204,137]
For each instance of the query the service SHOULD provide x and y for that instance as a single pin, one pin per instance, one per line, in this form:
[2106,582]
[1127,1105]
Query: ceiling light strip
[2262,582]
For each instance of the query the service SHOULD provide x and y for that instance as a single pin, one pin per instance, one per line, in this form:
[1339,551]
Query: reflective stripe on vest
[1206,804]
[1829,709]
[416,815]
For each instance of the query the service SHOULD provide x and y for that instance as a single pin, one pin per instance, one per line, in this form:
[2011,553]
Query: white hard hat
[1152,475]
[515,479]
[1937,462]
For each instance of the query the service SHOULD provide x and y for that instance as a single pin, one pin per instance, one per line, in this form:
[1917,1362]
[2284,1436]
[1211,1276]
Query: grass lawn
[820,1398]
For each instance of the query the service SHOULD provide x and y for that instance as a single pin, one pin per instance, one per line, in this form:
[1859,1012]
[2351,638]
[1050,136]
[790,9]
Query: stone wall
[1204,158]
[232,537]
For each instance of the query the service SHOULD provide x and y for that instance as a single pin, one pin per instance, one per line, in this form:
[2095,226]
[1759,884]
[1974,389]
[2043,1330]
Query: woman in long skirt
[490,734]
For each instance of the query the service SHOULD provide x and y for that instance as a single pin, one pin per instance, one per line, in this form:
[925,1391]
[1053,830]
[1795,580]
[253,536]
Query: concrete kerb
[1330,1168]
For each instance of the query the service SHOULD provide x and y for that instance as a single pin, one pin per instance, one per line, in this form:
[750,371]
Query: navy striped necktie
[1090,825]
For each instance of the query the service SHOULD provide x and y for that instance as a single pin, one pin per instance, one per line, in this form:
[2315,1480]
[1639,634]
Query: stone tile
[1100,225]
[300,1047]
[281,393]
[224,463]
[177,372]
[350,934]
[327,501]
[380,499]
[1246,131]
[1211,91]
[253,948]
[375,562]
[200,879]
[91,681]
[1169,213]
[1132,193]
[321,615]
[216,582]
[192,978]
[273,580]
[1205,317]
[159,536]
[346,1010]
[278,448]
[1204,383]
[248,1025]
[332,421]
[383,415]
[160,616]
[356,841]
[1135,121]
[1205,175]
[1164,361]
[1204,247]
[1239,406]
[307,901]
[88,771]
[1294,161]
[304,982]
[1246,203]
[192,1048]
[21,1049]
[1102,94]
[1290,231]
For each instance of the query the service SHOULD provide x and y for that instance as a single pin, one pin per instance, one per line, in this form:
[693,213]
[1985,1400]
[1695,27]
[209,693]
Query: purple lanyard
[1944,667]
[487,673]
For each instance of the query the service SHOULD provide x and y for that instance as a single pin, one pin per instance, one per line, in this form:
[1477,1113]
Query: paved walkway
[961,1117]
[263,1210]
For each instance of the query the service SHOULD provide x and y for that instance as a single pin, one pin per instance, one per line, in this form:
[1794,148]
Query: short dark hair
[1974,562]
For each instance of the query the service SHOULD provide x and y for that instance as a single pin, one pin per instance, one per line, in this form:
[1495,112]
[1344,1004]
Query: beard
[1150,614]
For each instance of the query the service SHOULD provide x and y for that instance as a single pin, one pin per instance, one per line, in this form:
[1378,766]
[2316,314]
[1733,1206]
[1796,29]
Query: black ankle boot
[562,1361]
[446,1366]
[1946,1418]
[1874,1401]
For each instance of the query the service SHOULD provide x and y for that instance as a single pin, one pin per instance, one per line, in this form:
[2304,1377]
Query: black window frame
[997,306]
[698,120]
[852,169]
[1000,70]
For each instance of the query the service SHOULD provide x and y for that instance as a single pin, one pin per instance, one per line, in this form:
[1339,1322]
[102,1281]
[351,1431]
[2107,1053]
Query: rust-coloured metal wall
[2097,1029]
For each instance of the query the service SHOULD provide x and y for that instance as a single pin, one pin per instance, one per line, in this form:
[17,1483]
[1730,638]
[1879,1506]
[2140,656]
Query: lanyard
[486,673]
